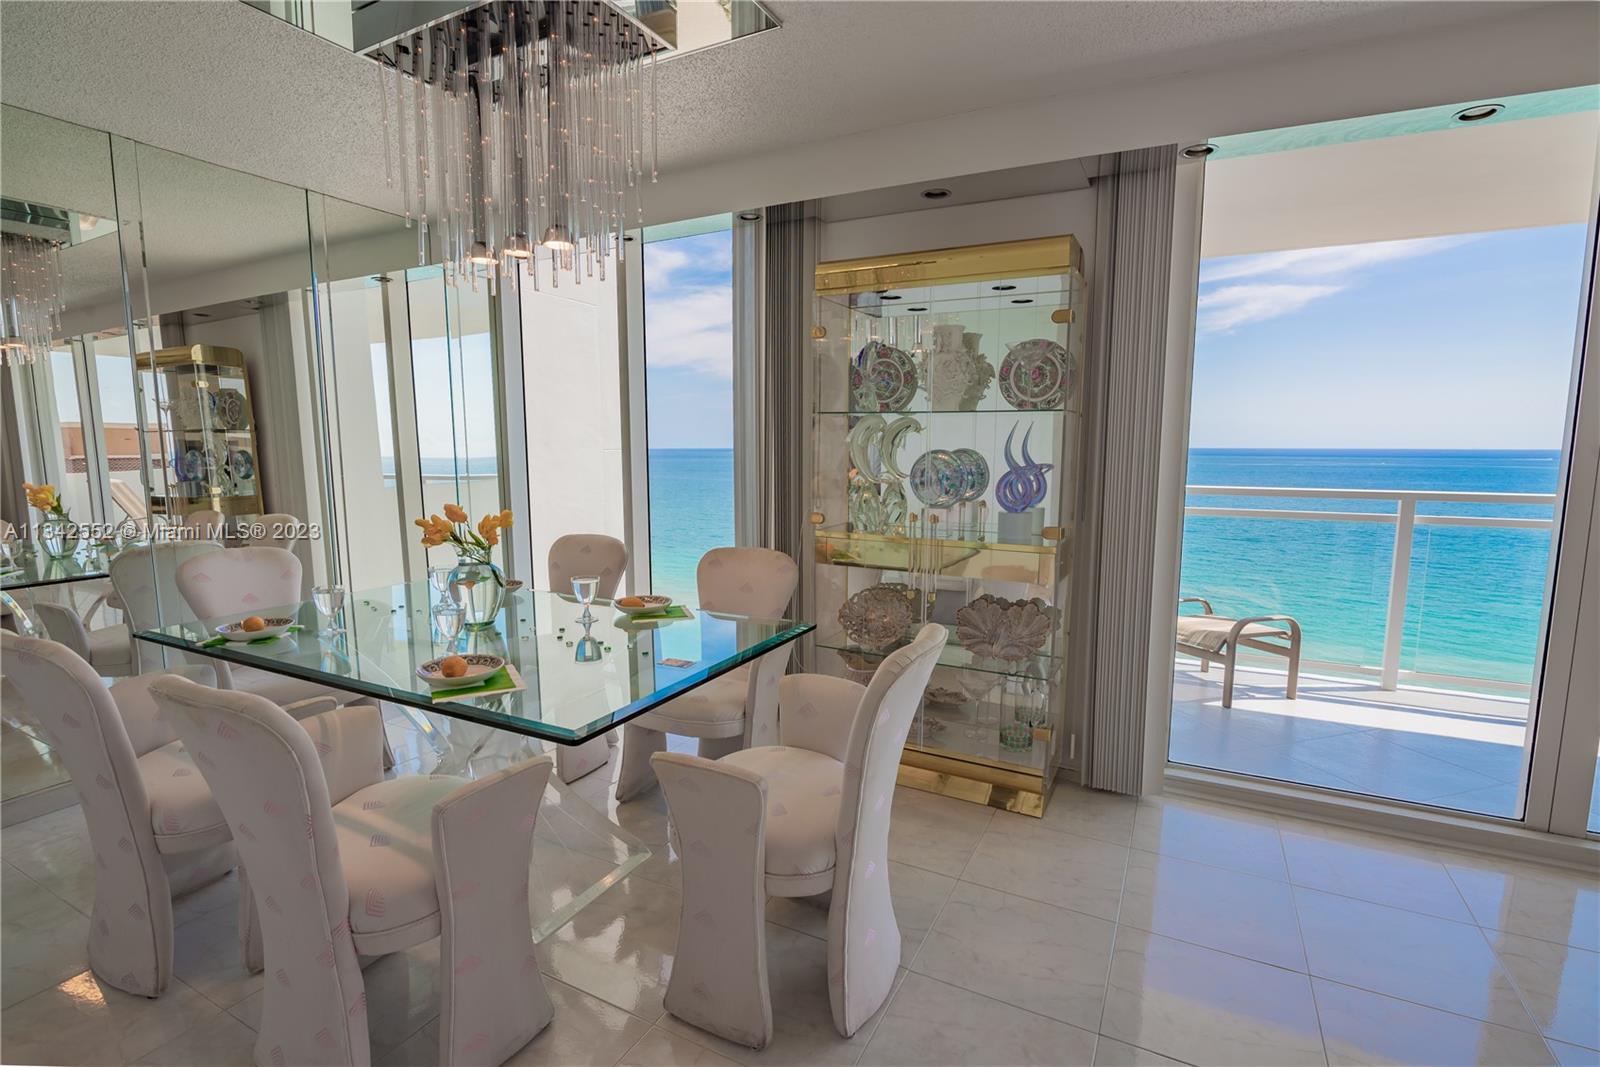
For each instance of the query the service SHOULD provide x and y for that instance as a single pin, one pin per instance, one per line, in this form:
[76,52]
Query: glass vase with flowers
[475,582]
[58,534]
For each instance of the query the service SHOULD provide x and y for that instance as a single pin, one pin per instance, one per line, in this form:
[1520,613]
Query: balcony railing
[1405,518]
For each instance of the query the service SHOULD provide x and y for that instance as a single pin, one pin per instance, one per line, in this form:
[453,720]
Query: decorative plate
[191,465]
[243,465]
[882,378]
[945,696]
[230,409]
[1036,374]
[880,618]
[1008,630]
[937,479]
[273,625]
[479,667]
[974,474]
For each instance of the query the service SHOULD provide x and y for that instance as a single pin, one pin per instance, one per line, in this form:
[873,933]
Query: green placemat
[671,611]
[504,680]
[215,641]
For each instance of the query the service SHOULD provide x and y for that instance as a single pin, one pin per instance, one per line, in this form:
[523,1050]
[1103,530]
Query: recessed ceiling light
[916,309]
[200,314]
[1022,301]
[891,296]
[1198,151]
[750,216]
[935,194]
[1002,288]
[1478,112]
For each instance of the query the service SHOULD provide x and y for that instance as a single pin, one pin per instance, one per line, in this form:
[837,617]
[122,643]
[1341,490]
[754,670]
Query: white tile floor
[1109,932]
[1450,749]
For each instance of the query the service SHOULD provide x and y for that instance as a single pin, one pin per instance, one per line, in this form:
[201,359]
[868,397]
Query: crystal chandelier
[30,297]
[517,130]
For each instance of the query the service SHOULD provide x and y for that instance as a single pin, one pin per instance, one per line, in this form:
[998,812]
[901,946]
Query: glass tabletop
[388,633]
[35,568]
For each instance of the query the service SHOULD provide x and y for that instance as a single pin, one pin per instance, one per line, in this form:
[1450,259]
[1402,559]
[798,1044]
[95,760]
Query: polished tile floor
[1450,749]
[1109,932]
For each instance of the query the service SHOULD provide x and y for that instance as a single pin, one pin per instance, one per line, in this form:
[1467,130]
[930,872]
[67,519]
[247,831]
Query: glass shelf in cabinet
[1038,560]
[1041,667]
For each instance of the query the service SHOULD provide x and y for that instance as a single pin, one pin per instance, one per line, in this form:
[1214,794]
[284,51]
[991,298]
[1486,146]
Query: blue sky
[1446,342]
[688,312]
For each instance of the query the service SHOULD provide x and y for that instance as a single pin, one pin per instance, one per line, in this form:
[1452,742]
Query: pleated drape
[1116,558]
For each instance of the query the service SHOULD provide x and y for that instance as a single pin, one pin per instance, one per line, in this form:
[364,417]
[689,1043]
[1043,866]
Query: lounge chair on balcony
[1209,636]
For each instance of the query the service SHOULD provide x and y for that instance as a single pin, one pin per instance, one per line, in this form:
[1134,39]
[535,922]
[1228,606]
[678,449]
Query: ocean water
[691,512]
[1476,594]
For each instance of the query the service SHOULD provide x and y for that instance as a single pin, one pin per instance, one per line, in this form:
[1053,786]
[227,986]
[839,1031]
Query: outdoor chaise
[1213,637]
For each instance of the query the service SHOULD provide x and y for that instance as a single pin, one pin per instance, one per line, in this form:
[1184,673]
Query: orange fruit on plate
[452,666]
[253,624]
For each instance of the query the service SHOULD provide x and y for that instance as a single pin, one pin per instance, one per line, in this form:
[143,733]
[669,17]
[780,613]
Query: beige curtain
[1115,557]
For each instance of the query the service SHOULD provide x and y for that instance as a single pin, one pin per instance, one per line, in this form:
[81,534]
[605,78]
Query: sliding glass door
[1381,404]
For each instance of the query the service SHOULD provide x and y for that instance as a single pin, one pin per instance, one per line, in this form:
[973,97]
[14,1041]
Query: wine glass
[584,589]
[329,602]
[448,619]
[439,578]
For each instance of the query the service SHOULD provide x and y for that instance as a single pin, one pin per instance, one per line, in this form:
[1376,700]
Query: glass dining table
[30,568]
[572,690]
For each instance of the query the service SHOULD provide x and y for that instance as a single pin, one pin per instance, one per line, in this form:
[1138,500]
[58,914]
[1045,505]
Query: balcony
[1421,613]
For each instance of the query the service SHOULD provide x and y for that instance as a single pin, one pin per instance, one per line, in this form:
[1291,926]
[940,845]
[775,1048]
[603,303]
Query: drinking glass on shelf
[448,619]
[329,602]
[584,589]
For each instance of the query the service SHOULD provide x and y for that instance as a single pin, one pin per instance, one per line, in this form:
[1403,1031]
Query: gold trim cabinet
[911,368]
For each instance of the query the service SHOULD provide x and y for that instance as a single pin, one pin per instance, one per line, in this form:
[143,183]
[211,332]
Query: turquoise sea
[1476,593]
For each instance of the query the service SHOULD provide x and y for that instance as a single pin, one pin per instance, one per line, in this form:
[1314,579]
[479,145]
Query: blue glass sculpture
[1022,486]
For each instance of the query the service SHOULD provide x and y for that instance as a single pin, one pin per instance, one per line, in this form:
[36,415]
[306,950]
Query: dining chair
[211,524]
[344,863]
[737,709]
[240,582]
[809,815]
[144,577]
[108,649]
[154,827]
[580,556]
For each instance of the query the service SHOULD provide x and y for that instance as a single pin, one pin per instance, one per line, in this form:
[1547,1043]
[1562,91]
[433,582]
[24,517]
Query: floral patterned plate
[882,378]
[1036,375]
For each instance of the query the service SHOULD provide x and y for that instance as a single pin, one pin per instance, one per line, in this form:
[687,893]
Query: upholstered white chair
[343,863]
[211,524]
[144,577]
[108,649]
[275,530]
[738,709]
[581,556]
[247,581]
[804,817]
[153,825]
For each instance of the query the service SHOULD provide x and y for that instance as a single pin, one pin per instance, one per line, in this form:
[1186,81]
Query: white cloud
[1231,306]
[1324,262]
[691,328]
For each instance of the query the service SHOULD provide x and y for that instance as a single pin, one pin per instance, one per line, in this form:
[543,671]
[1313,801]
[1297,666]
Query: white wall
[573,435]
[1016,219]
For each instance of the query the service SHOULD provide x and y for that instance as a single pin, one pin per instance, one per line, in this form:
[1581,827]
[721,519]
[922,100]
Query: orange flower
[488,529]
[505,517]
[43,497]
[435,531]
[455,513]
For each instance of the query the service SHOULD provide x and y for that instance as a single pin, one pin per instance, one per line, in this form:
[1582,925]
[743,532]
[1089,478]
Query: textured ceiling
[227,83]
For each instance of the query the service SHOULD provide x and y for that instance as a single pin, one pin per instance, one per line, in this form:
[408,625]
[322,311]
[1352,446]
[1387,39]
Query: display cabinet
[946,455]
[208,457]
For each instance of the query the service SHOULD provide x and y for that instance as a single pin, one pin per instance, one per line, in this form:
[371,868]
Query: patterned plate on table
[937,478]
[1036,374]
[882,378]
[974,474]
[230,409]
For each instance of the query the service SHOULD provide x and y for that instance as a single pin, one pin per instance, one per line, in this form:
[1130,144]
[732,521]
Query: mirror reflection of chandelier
[30,297]
[517,129]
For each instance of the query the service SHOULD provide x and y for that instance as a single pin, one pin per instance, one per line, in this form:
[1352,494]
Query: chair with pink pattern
[797,819]
[144,578]
[735,710]
[154,827]
[344,863]
[237,582]
[582,556]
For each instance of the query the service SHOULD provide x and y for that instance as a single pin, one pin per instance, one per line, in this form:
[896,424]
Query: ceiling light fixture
[750,216]
[520,117]
[1022,301]
[30,277]
[935,194]
[1002,288]
[1198,151]
[1478,112]
[891,296]
[916,309]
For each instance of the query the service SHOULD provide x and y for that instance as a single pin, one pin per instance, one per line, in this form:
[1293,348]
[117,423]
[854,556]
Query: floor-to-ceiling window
[1383,358]
[688,359]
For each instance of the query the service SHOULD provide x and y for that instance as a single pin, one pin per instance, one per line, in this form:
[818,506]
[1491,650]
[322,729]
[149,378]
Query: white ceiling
[225,82]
